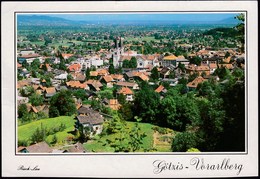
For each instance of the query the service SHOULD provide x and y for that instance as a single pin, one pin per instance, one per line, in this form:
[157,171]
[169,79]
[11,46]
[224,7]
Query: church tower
[119,50]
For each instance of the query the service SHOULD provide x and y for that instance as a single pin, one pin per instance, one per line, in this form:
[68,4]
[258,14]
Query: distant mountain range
[39,20]
[42,20]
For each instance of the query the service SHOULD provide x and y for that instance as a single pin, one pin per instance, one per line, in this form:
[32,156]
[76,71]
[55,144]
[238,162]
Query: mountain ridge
[38,20]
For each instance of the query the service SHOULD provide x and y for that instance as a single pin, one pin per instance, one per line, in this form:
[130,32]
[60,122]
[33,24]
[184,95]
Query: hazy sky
[146,17]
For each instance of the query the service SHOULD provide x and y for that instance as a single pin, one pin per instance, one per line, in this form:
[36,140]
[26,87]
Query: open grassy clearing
[99,144]
[25,131]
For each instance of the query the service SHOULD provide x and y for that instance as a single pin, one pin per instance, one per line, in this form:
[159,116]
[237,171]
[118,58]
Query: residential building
[90,118]
[194,84]
[41,147]
[169,60]
[127,92]
[128,84]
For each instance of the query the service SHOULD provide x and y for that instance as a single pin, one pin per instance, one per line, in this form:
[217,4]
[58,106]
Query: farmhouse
[90,118]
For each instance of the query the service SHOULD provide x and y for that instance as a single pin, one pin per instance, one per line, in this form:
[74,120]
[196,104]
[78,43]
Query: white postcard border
[122,165]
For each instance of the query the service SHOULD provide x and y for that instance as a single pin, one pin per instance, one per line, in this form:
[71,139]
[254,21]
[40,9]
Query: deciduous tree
[62,103]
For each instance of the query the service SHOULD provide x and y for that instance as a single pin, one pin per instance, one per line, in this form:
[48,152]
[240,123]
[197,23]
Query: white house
[96,61]
[61,76]
[89,118]
[147,61]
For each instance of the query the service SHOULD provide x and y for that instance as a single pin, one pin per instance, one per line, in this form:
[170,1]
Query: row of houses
[43,147]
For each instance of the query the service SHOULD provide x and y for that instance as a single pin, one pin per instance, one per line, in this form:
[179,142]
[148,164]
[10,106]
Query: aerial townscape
[130,84]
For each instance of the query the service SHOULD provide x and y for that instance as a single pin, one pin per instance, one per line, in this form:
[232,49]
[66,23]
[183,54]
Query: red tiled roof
[213,65]
[159,89]
[203,52]
[202,68]
[108,78]
[125,91]
[95,83]
[93,73]
[76,84]
[195,82]
[228,66]
[74,67]
[170,57]
[123,83]
[22,83]
[80,77]
[144,77]
[102,72]
[117,76]
[50,90]
[65,55]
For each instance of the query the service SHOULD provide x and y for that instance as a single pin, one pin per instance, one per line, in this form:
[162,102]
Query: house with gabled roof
[202,69]
[181,59]
[212,67]
[94,84]
[93,74]
[191,69]
[29,58]
[227,66]
[129,75]
[165,72]
[74,85]
[140,76]
[49,92]
[31,108]
[76,67]
[62,76]
[102,72]
[108,80]
[127,92]
[80,77]
[23,83]
[88,117]
[76,148]
[194,84]
[160,89]
[128,84]
[117,77]
[169,60]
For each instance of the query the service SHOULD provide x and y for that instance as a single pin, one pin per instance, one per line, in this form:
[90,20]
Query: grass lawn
[26,131]
[98,144]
